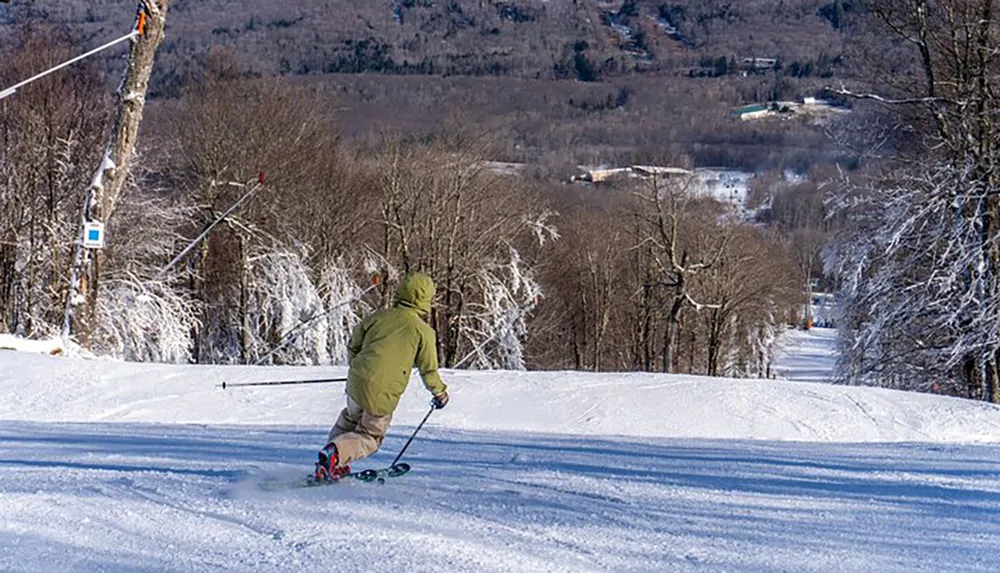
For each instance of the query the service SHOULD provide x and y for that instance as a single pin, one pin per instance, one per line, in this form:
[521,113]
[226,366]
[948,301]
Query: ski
[369,475]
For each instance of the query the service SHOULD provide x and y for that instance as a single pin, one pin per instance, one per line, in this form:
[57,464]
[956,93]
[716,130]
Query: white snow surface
[111,466]
[807,355]
[49,346]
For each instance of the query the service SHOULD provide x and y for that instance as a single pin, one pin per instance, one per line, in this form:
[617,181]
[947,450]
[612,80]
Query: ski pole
[421,425]
[283,383]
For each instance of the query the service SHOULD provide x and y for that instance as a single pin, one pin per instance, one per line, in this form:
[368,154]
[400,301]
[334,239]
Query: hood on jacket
[416,291]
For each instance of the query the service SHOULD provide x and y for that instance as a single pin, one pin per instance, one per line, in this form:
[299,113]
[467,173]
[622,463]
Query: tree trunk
[103,195]
[645,337]
[673,329]
[674,318]
[244,310]
[969,376]
[449,331]
[993,380]
[197,287]
[8,262]
[714,341]
[577,353]
[584,331]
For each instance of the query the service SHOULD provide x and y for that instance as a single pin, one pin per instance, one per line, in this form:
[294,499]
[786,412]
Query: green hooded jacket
[388,344]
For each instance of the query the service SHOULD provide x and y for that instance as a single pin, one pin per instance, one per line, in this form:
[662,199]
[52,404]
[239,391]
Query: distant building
[725,185]
[599,175]
[755,111]
[652,170]
[635,171]
[504,167]
[759,63]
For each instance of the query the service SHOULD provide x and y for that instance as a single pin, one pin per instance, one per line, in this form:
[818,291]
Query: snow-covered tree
[51,133]
[145,320]
[919,288]
[496,325]
[921,272]
[447,214]
[344,306]
[143,314]
[281,297]
[289,316]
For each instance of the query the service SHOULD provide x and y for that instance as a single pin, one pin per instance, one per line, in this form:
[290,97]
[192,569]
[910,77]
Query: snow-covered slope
[125,467]
[807,355]
[42,388]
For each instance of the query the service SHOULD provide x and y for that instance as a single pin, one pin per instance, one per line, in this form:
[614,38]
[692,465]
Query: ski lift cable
[13,89]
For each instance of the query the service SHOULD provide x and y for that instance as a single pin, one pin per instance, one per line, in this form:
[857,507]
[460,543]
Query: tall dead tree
[104,192]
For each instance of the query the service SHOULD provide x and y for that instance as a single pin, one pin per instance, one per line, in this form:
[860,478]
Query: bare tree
[750,287]
[47,132]
[445,212]
[105,190]
[300,224]
[685,243]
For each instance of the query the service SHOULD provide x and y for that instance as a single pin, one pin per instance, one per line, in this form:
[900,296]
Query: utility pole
[105,191]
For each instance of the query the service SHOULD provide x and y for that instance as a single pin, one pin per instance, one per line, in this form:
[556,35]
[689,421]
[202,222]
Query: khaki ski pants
[357,434]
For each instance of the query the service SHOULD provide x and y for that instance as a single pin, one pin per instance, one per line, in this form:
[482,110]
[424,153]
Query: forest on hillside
[522,38]
[368,134]
[562,82]
[528,274]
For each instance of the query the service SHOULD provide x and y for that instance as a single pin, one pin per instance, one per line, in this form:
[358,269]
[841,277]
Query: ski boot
[326,465]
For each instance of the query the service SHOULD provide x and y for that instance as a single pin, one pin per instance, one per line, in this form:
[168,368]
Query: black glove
[440,400]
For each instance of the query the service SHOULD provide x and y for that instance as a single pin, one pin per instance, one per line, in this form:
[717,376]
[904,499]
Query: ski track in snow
[808,355]
[115,467]
[149,497]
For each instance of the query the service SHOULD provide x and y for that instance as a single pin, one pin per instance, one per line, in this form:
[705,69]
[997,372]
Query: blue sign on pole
[93,235]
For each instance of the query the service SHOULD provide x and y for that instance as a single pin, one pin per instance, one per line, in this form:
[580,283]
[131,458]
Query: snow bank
[11,342]
[67,389]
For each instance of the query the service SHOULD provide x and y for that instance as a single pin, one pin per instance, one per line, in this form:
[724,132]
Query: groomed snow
[807,355]
[46,389]
[110,466]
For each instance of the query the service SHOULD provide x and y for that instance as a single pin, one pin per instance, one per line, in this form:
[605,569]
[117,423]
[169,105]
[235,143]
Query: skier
[383,350]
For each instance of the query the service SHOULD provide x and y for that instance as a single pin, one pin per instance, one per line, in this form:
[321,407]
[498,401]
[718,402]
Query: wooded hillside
[562,82]
[524,38]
